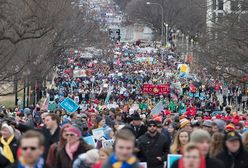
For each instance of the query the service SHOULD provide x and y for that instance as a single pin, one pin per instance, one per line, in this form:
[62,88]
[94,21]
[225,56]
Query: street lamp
[162,21]
[166,33]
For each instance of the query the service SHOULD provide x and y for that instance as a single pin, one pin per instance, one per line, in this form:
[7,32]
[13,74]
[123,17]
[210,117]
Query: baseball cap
[232,135]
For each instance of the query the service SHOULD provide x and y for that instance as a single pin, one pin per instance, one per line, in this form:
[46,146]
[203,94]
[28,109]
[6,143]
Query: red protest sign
[156,89]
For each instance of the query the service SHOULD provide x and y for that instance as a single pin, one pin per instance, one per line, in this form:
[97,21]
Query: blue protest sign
[69,105]
[90,141]
[171,158]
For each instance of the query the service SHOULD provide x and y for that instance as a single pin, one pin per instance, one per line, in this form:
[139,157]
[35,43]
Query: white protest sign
[107,143]
[98,133]
[143,164]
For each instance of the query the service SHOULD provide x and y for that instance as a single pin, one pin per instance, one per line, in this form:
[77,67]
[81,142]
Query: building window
[234,5]
[220,4]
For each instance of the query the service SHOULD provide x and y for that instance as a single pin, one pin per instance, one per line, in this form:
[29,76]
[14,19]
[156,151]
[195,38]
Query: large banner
[156,89]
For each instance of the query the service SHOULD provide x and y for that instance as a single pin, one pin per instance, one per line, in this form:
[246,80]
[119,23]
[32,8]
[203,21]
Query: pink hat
[75,130]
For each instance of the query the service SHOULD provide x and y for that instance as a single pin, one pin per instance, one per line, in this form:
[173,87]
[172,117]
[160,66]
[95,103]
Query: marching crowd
[193,119]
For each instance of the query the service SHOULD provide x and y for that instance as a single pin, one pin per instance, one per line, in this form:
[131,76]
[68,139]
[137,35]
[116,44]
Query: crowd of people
[197,120]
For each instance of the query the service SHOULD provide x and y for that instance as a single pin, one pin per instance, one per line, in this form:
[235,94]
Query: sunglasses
[71,135]
[32,148]
[152,126]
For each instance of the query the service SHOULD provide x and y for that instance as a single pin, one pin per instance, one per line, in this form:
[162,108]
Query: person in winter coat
[123,151]
[53,151]
[137,127]
[51,130]
[153,147]
[234,154]
[201,138]
[192,158]
[32,145]
[73,148]
[8,143]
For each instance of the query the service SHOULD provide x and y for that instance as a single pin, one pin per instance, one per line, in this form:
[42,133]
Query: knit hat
[220,124]
[92,156]
[230,127]
[199,136]
[207,123]
[5,125]
[184,122]
[88,158]
[75,130]
[152,122]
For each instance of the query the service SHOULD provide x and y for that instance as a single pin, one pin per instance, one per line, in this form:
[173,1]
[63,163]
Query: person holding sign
[123,151]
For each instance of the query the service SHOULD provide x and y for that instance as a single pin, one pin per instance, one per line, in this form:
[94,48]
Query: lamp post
[166,33]
[162,21]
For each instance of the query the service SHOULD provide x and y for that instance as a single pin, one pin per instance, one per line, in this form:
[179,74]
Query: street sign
[69,105]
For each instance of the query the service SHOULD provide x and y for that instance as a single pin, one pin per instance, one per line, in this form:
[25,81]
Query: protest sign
[69,105]
[108,143]
[143,164]
[171,158]
[90,141]
[108,95]
[156,89]
[77,73]
[98,133]
[52,105]
[157,109]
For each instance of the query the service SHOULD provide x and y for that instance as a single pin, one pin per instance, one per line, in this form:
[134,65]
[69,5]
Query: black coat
[137,131]
[64,161]
[3,161]
[210,163]
[13,146]
[238,160]
[152,147]
[49,138]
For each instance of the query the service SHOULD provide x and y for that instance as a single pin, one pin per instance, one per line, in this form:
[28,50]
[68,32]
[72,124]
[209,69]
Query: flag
[157,109]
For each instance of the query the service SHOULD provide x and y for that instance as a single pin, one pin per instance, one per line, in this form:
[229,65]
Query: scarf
[118,164]
[39,164]
[202,163]
[6,148]
[71,149]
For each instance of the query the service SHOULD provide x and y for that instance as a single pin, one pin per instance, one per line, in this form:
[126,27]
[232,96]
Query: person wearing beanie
[218,125]
[87,160]
[8,143]
[73,148]
[207,126]
[230,127]
[185,124]
[202,140]
[234,154]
